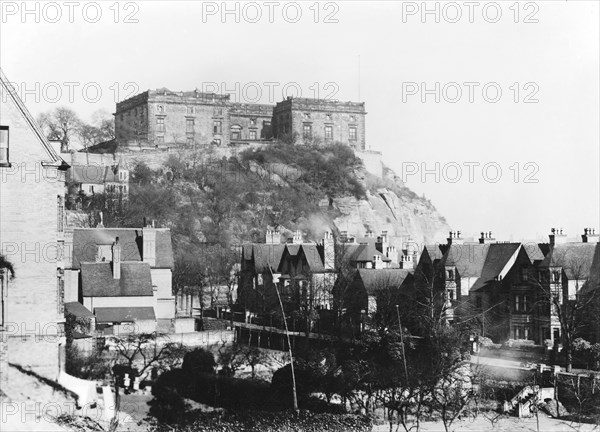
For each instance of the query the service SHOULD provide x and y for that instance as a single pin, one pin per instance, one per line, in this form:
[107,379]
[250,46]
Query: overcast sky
[376,52]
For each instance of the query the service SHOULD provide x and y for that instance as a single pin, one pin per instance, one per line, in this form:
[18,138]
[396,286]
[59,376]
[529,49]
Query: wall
[372,161]
[129,301]
[29,239]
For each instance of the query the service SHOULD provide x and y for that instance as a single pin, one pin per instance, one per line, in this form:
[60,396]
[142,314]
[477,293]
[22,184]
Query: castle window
[328,116]
[307,116]
[160,124]
[217,128]
[328,132]
[307,130]
[352,118]
[218,112]
[4,146]
[252,122]
[252,134]
[189,125]
[160,108]
[190,110]
[236,132]
[352,133]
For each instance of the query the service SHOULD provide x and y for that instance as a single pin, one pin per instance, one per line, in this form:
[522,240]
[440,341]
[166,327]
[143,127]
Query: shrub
[199,361]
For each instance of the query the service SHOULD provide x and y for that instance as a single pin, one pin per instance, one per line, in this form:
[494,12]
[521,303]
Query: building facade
[303,120]
[163,119]
[32,182]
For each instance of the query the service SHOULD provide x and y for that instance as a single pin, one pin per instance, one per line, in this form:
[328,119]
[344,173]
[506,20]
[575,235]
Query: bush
[168,405]
[199,361]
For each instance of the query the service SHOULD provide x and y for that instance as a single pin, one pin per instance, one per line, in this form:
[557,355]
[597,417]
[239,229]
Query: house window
[524,274]
[217,128]
[189,125]
[307,130]
[60,288]
[236,132]
[451,295]
[479,302]
[91,189]
[451,274]
[4,146]
[160,124]
[352,133]
[555,276]
[328,132]
[252,134]
[61,213]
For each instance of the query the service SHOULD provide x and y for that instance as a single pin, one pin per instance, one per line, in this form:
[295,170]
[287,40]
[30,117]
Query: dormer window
[4,146]
[556,276]
[450,274]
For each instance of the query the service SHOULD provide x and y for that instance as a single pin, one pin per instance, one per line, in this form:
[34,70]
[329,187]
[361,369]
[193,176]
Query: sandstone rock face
[400,216]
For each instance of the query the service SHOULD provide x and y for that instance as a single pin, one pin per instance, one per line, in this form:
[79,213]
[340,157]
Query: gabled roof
[86,241]
[106,315]
[97,280]
[292,249]
[313,256]
[484,262]
[265,256]
[362,252]
[53,158]
[375,280]
[578,260]
[78,310]
[497,259]
[433,251]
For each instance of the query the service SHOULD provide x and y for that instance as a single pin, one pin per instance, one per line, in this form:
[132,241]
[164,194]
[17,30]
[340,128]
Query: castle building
[320,121]
[162,120]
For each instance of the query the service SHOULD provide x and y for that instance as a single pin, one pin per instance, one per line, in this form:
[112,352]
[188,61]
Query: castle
[162,120]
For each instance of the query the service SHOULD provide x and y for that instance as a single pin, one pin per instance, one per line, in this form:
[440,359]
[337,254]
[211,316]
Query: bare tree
[62,125]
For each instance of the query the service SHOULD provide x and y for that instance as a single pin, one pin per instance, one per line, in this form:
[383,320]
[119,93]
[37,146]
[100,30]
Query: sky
[488,109]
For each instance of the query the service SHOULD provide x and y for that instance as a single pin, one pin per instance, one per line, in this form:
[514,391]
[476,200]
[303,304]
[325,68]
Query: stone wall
[372,161]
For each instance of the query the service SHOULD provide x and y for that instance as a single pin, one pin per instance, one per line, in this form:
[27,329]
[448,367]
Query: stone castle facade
[163,120]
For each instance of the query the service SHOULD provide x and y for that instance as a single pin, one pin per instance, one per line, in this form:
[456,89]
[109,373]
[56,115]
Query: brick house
[97,179]
[32,177]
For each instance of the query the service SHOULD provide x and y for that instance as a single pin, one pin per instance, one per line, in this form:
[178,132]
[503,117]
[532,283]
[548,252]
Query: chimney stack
[343,236]
[557,237]
[149,243]
[382,242]
[377,262]
[273,236]
[486,238]
[328,251]
[407,262]
[590,236]
[455,238]
[297,239]
[116,259]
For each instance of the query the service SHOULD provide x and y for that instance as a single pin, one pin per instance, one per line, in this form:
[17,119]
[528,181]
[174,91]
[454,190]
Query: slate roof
[97,280]
[578,260]
[482,261]
[534,251]
[265,255]
[313,256]
[498,256]
[362,252]
[123,314]
[86,241]
[374,280]
[434,251]
[78,310]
